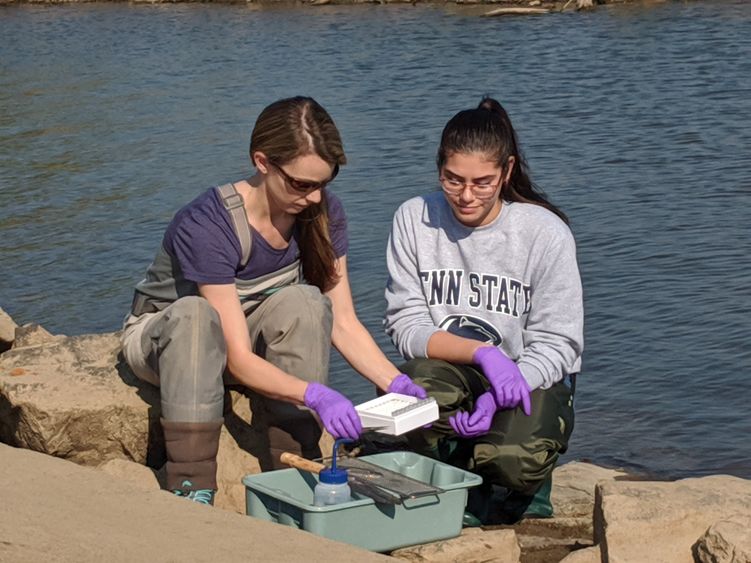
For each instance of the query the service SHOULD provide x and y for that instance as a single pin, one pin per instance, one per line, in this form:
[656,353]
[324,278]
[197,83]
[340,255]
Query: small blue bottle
[332,487]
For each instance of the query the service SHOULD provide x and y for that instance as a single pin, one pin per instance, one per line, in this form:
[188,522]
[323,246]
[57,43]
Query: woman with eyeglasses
[484,299]
[250,287]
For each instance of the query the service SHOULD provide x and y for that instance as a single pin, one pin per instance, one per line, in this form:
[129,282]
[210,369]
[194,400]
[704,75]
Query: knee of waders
[193,315]
[439,378]
[418,368]
[518,467]
[301,307]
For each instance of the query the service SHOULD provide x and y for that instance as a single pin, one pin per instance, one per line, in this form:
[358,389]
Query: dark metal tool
[397,483]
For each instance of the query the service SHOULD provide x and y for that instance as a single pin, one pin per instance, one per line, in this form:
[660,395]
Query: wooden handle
[298,462]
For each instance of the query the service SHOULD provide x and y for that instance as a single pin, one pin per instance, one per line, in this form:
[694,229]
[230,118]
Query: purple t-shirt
[202,239]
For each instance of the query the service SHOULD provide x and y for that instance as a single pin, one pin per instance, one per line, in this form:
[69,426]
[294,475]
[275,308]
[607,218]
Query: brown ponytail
[316,250]
[295,127]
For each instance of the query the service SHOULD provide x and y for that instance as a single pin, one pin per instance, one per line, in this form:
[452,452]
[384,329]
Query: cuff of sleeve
[532,375]
[419,344]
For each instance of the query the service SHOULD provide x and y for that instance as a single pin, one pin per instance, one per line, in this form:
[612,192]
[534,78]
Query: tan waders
[182,350]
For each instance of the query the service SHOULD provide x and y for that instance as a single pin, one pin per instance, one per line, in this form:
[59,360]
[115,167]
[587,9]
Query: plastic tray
[285,496]
[396,414]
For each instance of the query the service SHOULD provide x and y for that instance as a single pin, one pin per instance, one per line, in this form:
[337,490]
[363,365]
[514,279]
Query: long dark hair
[295,127]
[488,130]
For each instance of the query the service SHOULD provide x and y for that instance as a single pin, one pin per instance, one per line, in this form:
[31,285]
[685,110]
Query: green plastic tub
[285,496]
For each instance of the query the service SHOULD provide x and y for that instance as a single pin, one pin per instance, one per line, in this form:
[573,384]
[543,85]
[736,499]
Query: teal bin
[286,497]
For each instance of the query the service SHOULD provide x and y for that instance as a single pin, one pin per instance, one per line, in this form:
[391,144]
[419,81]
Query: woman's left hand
[478,423]
[404,385]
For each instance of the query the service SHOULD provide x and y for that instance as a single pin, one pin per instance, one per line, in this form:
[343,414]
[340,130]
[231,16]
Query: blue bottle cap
[333,476]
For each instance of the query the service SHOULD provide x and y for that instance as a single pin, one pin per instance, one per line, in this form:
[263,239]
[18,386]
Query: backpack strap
[235,205]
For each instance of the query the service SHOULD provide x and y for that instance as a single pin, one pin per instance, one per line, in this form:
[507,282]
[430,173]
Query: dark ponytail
[488,130]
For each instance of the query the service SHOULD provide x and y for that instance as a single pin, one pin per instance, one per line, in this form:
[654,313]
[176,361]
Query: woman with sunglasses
[250,287]
[485,301]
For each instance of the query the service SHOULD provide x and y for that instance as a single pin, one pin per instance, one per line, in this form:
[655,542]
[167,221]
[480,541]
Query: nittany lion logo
[476,328]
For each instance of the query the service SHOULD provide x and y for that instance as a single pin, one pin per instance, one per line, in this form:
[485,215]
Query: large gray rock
[7,330]
[70,397]
[586,555]
[67,397]
[472,546]
[637,521]
[570,530]
[73,398]
[552,539]
[574,484]
[54,510]
[33,334]
[135,474]
[727,541]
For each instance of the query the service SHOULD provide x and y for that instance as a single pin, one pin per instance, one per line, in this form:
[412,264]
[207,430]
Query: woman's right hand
[337,413]
[509,386]
[404,385]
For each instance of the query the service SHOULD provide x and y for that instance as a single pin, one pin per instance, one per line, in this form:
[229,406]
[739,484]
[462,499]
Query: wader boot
[517,506]
[486,505]
[192,448]
[289,429]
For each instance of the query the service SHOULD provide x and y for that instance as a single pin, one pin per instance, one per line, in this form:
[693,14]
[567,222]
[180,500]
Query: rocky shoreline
[502,7]
[78,428]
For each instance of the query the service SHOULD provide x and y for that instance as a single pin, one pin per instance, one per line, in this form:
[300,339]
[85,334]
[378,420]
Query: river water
[636,120]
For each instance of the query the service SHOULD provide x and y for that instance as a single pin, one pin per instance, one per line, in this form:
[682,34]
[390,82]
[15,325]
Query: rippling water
[635,119]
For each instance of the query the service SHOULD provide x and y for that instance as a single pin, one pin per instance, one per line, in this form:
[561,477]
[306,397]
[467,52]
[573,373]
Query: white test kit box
[396,414]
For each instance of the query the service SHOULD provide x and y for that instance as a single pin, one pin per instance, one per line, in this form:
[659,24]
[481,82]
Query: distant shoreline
[501,7]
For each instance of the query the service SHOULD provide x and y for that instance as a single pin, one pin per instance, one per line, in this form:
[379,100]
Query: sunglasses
[304,185]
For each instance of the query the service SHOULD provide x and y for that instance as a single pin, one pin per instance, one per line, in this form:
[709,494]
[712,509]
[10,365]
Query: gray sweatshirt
[513,283]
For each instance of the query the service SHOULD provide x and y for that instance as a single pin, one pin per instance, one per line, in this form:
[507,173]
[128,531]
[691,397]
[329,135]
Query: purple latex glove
[478,423]
[404,385]
[509,386]
[337,413]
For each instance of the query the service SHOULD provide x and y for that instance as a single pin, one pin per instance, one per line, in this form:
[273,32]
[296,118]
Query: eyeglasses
[304,185]
[483,190]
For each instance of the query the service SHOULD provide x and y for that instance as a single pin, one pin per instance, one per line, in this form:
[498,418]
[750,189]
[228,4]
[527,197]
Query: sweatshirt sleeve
[408,322]
[553,335]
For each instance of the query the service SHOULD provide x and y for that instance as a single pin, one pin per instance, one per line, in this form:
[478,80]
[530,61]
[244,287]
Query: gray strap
[235,206]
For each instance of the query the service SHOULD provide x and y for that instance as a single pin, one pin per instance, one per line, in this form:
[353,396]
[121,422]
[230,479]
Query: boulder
[54,510]
[73,397]
[552,539]
[637,521]
[573,494]
[586,555]
[726,541]
[135,474]
[7,331]
[70,397]
[472,546]
[33,334]
[570,530]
